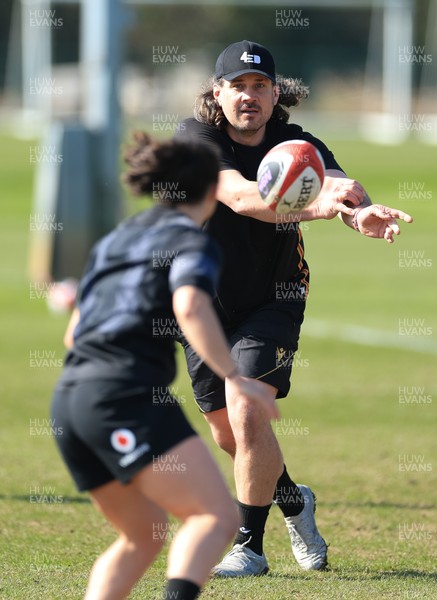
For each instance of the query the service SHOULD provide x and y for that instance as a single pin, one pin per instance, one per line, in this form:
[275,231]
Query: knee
[222,432]
[145,536]
[220,518]
[139,548]
[225,440]
[247,422]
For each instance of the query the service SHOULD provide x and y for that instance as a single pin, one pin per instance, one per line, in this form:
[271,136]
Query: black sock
[253,520]
[181,589]
[288,496]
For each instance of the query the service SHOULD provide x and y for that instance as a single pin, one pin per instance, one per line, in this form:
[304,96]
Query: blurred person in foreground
[124,436]
[243,112]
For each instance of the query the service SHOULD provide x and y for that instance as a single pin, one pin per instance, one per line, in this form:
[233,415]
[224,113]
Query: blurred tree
[65,39]
[5,21]
[332,39]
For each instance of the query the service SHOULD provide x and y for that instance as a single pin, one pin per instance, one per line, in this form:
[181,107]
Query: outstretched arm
[338,194]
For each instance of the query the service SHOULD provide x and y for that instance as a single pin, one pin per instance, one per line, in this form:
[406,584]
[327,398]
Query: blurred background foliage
[336,40]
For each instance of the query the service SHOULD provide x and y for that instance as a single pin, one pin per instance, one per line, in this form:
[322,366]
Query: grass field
[359,425]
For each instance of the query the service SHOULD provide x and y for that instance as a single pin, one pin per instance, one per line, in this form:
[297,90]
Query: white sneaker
[241,562]
[309,548]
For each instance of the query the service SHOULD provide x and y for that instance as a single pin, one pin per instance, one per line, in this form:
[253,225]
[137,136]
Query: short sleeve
[197,264]
[194,130]
[327,155]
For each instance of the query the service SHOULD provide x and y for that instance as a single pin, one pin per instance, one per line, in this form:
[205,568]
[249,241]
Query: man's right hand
[338,195]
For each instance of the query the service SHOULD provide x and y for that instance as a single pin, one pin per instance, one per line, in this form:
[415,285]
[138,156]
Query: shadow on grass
[381,505]
[403,573]
[65,499]
[336,574]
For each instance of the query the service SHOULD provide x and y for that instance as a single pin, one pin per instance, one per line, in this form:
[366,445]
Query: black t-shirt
[127,327]
[263,262]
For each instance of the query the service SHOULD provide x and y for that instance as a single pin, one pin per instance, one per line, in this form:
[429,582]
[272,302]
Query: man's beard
[248,127]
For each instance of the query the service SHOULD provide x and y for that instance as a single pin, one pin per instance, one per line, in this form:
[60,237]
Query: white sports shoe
[241,562]
[309,548]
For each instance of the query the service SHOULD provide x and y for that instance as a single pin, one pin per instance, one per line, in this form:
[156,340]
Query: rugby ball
[290,176]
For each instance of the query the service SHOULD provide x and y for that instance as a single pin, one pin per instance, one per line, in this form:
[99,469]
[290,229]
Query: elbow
[243,210]
[237,197]
[236,203]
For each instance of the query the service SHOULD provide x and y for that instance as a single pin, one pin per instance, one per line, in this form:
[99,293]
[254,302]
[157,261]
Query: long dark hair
[207,109]
[189,166]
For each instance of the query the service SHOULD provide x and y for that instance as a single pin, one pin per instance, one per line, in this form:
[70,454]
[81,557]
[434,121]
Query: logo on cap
[255,59]
[250,58]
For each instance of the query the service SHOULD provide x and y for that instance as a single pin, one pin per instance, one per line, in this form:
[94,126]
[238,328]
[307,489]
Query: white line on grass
[366,336]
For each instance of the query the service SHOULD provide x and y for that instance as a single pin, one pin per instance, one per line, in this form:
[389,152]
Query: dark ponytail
[177,170]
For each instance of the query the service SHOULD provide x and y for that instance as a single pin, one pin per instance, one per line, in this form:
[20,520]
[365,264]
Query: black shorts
[109,430]
[263,345]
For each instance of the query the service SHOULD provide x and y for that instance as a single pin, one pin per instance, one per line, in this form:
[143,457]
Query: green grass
[380,522]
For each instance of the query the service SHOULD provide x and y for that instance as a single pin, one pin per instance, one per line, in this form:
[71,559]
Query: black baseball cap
[245,57]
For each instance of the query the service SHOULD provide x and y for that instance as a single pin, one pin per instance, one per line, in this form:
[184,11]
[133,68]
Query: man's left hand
[379,221]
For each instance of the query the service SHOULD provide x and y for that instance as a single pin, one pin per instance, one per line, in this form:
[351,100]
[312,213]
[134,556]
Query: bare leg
[199,497]
[258,465]
[196,494]
[221,430]
[248,437]
[116,571]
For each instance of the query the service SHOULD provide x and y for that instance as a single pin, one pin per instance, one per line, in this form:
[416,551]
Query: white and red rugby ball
[290,176]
